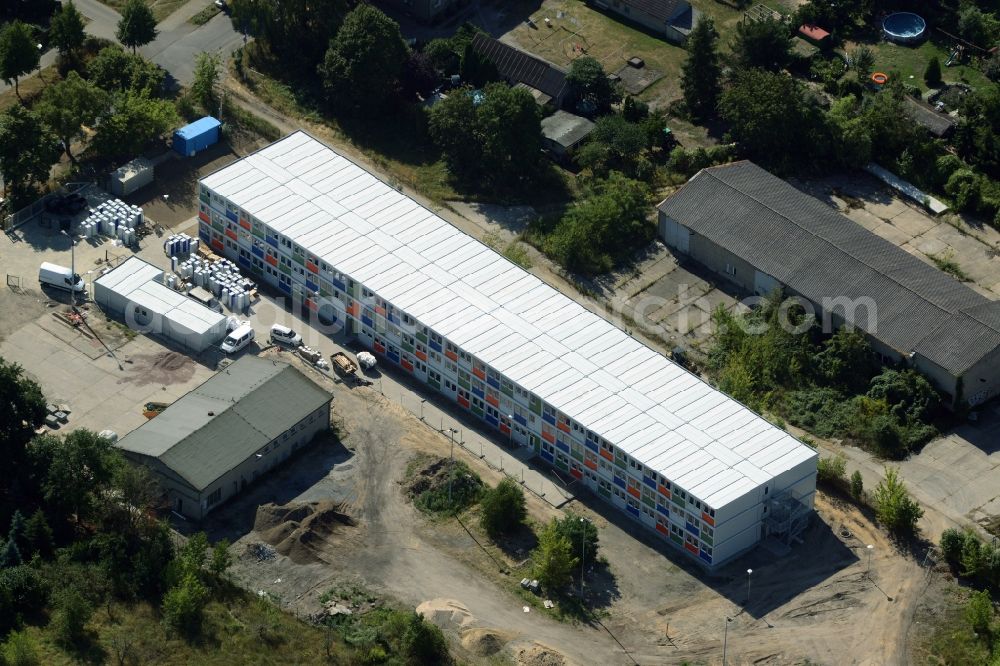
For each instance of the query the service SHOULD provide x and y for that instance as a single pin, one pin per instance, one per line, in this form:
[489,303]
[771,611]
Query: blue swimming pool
[904,27]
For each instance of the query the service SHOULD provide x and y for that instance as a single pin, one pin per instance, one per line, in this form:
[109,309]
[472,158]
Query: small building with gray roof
[760,233]
[209,445]
[563,133]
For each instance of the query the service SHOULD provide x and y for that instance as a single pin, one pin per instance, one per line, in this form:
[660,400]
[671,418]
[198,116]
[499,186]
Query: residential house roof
[818,253]
[227,419]
[516,66]
[936,123]
[566,129]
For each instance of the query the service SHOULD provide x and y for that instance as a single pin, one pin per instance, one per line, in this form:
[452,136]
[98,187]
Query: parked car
[285,336]
[238,339]
[60,277]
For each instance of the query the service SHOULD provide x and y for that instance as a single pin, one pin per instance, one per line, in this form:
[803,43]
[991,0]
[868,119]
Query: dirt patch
[537,654]
[446,613]
[17,308]
[302,531]
[484,642]
[163,368]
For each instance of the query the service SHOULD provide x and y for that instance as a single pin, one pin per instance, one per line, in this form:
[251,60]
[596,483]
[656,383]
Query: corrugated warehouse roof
[139,282]
[518,66]
[662,10]
[227,419]
[657,412]
[818,253]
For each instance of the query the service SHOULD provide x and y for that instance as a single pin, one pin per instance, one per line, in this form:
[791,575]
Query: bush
[952,541]
[423,643]
[553,558]
[184,605]
[20,649]
[979,612]
[23,595]
[894,507]
[832,470]
[70,618]
[503,508]
[581,534]
[932,75]
[857,486]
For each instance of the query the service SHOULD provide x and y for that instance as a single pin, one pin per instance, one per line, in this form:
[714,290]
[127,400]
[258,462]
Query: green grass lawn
[161,8]
[911,61]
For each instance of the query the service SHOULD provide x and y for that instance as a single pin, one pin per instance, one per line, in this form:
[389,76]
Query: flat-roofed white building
[705,472]
[134,292]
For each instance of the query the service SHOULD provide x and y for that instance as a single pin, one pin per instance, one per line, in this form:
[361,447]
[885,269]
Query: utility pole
[451,462]
[72,267]
[868,571]
[725,640]
[749,571]
[583,551]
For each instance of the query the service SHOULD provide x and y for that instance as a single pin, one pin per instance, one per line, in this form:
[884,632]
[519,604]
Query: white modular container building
[128,178]
[135,293]
[658,443]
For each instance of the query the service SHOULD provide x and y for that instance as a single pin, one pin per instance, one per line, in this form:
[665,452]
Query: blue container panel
[547,456]
[205,235]
[520,419]
[592,446]
[339,285]
[367,321]
[705,556]
[435,346]
[492,420]
[257,252]
[549,419]
[243,261]
[232,216]
[489,380]
[631,509]
[692,529]
[272,241]
[287,288]
[649,482]
[662,509]
[478,392]
[393,356]
[619,482]
[562,447]
[311,286]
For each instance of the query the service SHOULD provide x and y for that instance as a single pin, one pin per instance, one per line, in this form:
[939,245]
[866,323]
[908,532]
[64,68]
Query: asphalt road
[177,43]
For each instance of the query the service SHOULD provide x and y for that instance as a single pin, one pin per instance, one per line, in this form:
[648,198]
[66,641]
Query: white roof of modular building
[596,374]
[138,282]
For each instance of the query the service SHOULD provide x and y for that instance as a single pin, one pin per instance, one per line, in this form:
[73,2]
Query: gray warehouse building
[761,233]
[134,292]
[206,447]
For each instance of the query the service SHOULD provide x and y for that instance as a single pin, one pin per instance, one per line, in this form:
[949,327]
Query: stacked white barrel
[113,218]
[180,245]
[222,278]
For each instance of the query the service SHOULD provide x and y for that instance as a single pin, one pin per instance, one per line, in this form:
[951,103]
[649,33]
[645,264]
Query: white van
[60,277]
[238,339]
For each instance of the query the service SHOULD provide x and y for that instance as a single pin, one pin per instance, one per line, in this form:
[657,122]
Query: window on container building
[450,347]
[284,242]
[450,367]
[465,356]
[436,338]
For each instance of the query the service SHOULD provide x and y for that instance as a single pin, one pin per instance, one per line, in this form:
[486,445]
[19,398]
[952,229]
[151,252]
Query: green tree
[20,649]
[978,134]
[502,508]
[10,555]
[18,53]
[137,26]
[979,612]
[193,554]
[27,152]
[850,133]
[184,606]
[907,392]
[932,75]
[66,106]
[17,533]
[700,72]
[857,485]
[894,507]
[72,612]
[296,32]
[75,468]
[206,78]
[476,69]
[952,541]
[763,44]
[38,534]
[847,360]
[361,69]
[66,29]
[862,60]
[221,560]
[493,142]
[607,223]
[831,469]
[423,643]
[772,119]
[133,122]
[114,69]
[553,559]
[589,84]
[581,534]
[615,145]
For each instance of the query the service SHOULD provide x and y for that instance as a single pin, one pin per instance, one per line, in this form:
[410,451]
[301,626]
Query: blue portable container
[199,135]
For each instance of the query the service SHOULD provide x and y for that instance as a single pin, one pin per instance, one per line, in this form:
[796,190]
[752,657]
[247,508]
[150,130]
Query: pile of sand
[536,654]
[300,530]
[446,613]
[484,642]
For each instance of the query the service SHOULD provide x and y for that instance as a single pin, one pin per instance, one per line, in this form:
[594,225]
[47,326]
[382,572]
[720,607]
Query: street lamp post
[749,571]
[868,571]
[583,552]
[725,640]
[510,435]
[72,268]
[451,462]
[422,409]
